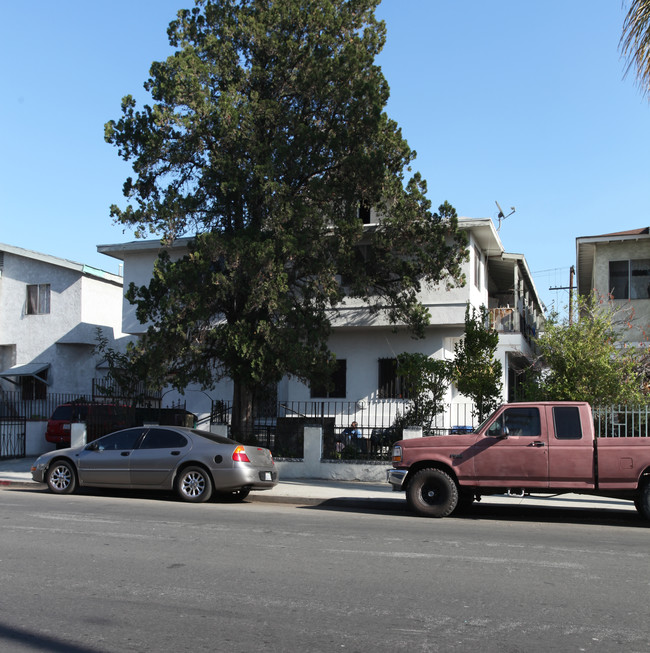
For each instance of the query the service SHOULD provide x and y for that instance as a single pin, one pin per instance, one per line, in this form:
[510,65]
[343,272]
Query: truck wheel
[642,500]
[432,493]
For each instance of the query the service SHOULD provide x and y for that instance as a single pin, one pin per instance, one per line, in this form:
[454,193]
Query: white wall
[65,336]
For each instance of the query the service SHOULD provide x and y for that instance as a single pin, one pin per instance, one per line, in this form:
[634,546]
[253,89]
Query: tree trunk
[242,411]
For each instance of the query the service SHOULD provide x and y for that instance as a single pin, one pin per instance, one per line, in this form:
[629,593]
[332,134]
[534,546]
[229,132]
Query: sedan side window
[163,439]
[120,441]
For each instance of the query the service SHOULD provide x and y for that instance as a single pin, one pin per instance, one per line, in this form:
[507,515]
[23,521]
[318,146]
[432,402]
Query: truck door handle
[537,443]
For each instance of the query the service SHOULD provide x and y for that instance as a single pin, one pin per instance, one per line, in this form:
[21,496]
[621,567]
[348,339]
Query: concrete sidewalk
[375,496]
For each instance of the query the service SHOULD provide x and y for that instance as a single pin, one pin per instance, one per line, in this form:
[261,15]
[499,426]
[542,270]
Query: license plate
[267,476]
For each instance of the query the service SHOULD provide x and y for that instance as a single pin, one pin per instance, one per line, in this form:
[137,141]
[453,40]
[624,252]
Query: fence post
[219,429]
[78,434]
[313,448]
[411,432]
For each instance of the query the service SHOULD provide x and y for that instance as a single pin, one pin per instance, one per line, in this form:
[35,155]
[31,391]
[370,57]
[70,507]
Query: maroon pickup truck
[523,448]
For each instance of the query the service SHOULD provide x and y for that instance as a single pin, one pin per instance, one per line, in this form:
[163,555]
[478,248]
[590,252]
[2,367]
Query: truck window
[517,421]
[567,422]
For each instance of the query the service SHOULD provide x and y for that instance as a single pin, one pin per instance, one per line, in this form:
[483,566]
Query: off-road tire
[432,493]
[642,500]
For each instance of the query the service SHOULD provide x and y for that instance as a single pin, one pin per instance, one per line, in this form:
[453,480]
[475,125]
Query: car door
[571,456]
[157,456]
[513,452]
[106,461]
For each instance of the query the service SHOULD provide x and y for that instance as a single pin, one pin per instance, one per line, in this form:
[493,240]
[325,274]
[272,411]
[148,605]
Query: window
[38,299]
[477,267]
[390,385]
[120,441]
[629,279]
[336,388]
[517,421]
[364,213]
[163,439]
[34,387]
[567,423]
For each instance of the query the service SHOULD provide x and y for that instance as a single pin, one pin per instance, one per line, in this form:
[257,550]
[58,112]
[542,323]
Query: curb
[365,503]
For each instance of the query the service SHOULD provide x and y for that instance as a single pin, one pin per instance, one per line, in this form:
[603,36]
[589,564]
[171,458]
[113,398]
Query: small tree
[583,359]
[426,381]
[475,370]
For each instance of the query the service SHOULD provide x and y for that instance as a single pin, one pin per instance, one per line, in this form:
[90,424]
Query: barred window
[391,386]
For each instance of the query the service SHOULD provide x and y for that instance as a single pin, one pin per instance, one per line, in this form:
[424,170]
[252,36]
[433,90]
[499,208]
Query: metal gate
[12,437]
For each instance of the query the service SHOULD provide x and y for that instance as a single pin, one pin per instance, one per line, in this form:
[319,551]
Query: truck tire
[432,493]
[642,500]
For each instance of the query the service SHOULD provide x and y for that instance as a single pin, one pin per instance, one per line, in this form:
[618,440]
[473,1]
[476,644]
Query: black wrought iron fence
[280,428]
[12,437]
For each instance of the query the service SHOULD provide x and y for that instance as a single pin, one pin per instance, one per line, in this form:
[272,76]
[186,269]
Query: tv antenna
[501,216]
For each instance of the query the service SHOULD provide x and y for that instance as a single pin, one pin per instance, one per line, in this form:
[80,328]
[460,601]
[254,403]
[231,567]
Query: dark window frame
[567,423]
[629,278]
[337,386]
[38,299]
[389,384]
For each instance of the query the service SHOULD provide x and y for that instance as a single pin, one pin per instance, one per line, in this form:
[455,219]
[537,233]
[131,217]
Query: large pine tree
[266,135]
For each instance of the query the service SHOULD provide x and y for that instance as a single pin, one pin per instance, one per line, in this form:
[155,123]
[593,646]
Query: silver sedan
[194,463]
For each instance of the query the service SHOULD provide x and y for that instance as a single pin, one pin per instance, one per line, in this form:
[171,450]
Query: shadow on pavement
[493,512]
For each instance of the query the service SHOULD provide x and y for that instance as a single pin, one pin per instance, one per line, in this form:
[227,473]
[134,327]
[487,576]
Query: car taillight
[239,455]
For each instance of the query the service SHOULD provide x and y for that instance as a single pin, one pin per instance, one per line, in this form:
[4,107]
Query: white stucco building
[366,346]
[617,267]
[50,309]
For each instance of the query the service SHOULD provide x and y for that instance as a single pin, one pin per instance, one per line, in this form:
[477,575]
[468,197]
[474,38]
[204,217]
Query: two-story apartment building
[50,310]
[617,267]
[366,346]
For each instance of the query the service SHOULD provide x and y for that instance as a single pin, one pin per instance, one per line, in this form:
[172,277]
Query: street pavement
[372,496]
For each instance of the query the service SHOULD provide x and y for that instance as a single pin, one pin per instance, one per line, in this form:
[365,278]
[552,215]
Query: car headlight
[397,454]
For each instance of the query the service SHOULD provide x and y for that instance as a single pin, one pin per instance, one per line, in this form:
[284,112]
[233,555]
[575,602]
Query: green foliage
[635,42]
[426,382]
[476,372]
[583,359]
[267,132]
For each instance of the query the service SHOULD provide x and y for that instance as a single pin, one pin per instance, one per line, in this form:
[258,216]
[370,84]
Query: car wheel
[61,477]
[642,500]
[193,484]
[432,493]
[235,495]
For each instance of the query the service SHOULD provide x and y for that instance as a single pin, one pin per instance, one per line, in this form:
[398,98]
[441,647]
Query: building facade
[366,346]
[617,267]
[50,311]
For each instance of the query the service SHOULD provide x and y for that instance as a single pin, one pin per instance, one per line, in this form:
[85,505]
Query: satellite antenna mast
[501,216]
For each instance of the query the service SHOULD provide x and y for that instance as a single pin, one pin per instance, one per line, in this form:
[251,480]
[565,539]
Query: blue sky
[517,101]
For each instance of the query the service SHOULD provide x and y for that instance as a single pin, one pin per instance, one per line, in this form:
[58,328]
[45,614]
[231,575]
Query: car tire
[193,484]
[642,500]
[61,477]
[432,493]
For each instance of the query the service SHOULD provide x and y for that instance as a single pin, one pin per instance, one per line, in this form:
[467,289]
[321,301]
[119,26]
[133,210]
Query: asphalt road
[137,573]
